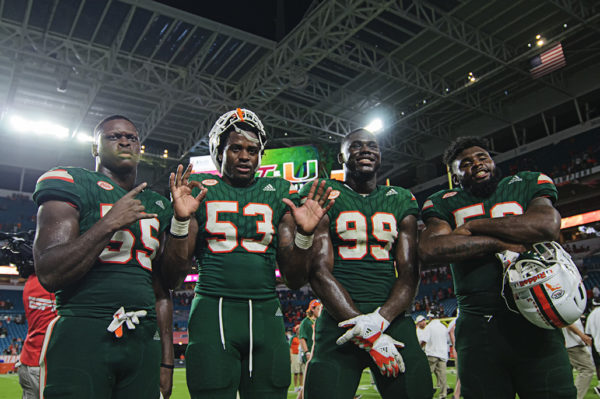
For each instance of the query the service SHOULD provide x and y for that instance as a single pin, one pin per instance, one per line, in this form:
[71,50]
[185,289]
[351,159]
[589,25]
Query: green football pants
[241,347]
[504,355]
[334,371]
[81,359]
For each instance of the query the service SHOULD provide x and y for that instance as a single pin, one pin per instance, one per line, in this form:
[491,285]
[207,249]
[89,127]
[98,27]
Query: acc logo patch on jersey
[210,182]
[105,185]
[450,194]
[57,174]
[544,179]
[334,194]
[427,204]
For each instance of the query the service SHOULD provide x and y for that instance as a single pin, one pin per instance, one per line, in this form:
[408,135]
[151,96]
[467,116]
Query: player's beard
[363,176]
[486,188]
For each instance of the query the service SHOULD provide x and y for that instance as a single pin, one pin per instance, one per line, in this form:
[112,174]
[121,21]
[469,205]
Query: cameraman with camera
[40,309]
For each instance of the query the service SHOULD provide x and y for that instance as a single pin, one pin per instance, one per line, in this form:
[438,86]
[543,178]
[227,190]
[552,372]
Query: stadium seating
[14,331]
[17,213]
[15,298]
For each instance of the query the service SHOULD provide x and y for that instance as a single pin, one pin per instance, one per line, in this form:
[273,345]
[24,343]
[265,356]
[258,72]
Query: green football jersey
[478,282]
[237,237]
[122,274]
[363,230]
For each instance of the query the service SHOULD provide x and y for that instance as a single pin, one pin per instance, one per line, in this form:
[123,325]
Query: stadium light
[84,137]
[40,128]
[375,126]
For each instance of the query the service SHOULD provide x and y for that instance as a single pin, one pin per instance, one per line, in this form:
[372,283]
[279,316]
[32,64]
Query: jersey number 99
[352,226]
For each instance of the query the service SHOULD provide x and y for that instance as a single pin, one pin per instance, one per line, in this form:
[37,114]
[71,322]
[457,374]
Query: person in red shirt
[40,310]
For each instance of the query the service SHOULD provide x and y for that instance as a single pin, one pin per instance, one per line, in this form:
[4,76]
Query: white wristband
[302,241]
[179,229]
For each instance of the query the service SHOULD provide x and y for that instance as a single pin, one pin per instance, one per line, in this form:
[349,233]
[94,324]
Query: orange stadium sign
[582,218]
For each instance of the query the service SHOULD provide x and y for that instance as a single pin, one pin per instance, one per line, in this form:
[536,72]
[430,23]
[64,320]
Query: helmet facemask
[225,123]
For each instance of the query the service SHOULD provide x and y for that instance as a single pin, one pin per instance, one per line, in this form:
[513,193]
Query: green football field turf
[10,389]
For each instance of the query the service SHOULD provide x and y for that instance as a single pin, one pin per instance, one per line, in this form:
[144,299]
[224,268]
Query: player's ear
[341,158]
[220,157]
[95,150]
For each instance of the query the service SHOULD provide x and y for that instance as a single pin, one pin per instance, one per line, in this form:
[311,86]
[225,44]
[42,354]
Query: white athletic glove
[129,318]
[507,257]
[386,356]
[366,329]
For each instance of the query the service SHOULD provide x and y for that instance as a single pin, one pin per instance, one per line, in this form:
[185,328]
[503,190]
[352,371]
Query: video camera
[17,248]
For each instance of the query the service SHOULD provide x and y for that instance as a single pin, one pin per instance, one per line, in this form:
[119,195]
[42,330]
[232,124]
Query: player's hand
[184,203]
[166,382]
[365,329]
[386,356]
[587,340]
[127,210]
[308,215]
[462,230]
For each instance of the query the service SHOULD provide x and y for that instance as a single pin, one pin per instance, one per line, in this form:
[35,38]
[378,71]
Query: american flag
[548,61]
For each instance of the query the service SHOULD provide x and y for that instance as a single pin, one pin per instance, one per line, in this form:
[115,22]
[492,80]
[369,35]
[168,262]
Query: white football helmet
[224,122]
[546,286]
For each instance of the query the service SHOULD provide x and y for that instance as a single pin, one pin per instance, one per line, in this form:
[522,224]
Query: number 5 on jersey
[497,211]
[120,248]
[229,231]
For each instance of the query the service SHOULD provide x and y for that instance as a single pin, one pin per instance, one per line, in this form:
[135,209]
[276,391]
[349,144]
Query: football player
[365,271]
[500,353]
[96,243]
[239,233]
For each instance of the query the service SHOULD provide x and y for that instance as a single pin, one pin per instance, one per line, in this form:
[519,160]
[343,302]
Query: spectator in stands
[577,344]
[596,292]
[3,330]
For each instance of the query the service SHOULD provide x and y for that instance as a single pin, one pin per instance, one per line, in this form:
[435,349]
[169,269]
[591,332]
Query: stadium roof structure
[431,70]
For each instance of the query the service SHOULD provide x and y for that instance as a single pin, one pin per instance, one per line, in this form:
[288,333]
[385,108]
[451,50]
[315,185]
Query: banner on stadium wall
[180,338]
[298,165]
[578,220]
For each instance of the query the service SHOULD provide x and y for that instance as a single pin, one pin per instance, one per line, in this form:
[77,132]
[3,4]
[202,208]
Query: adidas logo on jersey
[156,336]
[160,203]
[391,191]
[515,179]
[269,187]
[278,312]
